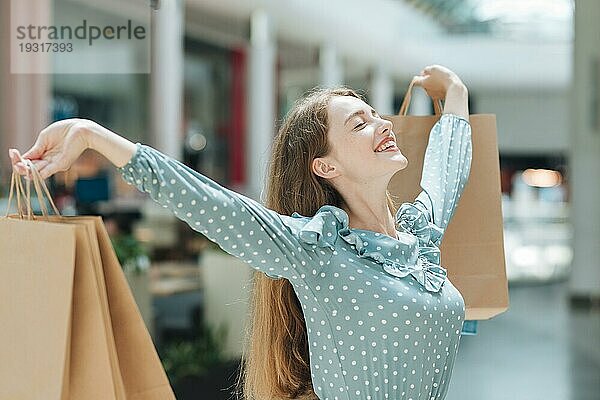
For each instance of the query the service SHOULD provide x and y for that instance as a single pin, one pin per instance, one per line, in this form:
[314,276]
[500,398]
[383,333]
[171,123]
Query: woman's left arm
[457,100]
[442,83]
[447,163]
[446,168]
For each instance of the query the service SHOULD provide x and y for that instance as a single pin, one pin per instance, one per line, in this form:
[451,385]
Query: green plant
[195,357]
[132,256]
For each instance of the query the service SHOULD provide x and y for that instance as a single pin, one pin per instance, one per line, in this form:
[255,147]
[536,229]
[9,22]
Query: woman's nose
[385,127]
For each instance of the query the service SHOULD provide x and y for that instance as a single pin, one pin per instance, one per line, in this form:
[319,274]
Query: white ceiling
[391,33]
[396,35]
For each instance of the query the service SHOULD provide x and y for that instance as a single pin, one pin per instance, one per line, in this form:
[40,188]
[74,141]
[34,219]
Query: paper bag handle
[437,103]
[17,186]
[38,183]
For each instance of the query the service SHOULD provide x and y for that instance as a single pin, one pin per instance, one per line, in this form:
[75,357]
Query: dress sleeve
[239,225]
[446,168]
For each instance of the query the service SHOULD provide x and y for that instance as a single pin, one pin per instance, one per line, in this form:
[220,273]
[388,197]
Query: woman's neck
[368,209]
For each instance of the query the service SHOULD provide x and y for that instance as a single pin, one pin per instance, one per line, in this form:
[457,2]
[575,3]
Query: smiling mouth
[389,146]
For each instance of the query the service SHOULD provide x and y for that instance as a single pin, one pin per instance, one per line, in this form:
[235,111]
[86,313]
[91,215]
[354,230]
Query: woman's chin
[395,163]
[399,158]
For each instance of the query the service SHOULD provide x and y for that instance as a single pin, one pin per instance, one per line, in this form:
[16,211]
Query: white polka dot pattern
[446,168]
[371,335]
[239,225]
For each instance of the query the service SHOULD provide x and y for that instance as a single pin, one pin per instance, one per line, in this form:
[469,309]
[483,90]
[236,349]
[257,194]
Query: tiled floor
[538,350]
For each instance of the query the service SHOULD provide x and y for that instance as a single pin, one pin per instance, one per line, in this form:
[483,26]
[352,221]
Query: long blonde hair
[276,361]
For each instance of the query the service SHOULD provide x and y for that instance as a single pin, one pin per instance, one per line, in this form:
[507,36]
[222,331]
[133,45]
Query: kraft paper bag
[36,282]
[472,249]
[140,367]
[85,336]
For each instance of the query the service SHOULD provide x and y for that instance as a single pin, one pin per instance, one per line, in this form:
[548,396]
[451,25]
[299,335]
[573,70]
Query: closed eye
[360,126]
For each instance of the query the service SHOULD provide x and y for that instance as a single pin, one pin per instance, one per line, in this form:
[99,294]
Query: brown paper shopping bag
[99,348]
[36,281]
[472,249]
[141,371]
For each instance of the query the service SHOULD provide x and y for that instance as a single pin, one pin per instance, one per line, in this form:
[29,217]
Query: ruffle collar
[414,253]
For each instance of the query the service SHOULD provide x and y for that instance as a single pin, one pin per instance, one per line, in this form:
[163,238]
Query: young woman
[350,301]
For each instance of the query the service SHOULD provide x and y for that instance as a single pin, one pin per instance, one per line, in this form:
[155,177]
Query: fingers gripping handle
[437,103]
[38,183]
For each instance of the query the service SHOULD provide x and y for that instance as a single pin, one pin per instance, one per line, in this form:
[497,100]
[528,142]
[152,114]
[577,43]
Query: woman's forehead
[340,107]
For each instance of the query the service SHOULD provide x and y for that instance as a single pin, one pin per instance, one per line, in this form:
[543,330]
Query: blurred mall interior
[224,72]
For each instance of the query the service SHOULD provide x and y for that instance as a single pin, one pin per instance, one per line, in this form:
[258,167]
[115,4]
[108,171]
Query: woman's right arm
[61,143]
[117,149]
[241,226]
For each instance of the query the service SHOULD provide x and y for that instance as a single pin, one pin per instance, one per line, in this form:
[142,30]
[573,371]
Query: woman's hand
[436,80]
[441,83]
[57,147]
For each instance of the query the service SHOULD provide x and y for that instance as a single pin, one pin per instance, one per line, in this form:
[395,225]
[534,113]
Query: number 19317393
[45,47]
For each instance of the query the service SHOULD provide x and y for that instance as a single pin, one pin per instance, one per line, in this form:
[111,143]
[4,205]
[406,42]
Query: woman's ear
[324,169]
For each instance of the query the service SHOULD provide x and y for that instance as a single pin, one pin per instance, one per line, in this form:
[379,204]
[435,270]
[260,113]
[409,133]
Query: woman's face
[362,143]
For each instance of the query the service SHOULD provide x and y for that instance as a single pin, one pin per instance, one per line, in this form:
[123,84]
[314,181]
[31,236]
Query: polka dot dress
[383,319]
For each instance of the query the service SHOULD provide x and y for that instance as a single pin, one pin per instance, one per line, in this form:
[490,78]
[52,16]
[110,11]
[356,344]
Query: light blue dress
[383,320]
